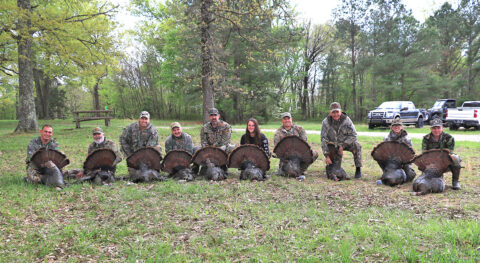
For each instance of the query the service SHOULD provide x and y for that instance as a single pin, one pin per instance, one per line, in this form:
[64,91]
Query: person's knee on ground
[455,168]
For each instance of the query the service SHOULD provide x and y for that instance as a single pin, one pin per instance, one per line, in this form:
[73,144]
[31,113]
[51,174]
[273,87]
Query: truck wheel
[371,126]
[453,127]
[419,123]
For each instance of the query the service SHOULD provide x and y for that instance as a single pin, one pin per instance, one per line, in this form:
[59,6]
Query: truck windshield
[390,105]
[438,104]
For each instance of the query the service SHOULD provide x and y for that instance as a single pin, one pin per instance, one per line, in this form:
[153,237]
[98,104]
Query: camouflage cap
[335,106]
[437,122]
[175,125]
[97,130]
[213,111]
[144,114]
[396,121]
[286,114]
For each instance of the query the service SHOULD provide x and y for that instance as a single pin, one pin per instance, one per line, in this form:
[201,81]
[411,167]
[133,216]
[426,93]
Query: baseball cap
[144,114]
[97,130]
[437,122]
[213,111]
[286,114]
[397,121]
[175,125]
[335,106]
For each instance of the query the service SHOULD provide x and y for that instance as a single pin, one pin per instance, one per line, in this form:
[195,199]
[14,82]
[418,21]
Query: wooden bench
[90,115]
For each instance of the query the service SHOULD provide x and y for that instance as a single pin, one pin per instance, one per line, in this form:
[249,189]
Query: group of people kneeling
[139,145]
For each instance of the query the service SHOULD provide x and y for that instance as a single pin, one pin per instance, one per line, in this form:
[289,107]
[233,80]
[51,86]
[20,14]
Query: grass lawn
[278,220]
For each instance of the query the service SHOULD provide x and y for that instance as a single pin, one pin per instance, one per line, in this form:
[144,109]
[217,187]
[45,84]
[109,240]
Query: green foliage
[71,42]
[260,58]
[7,102]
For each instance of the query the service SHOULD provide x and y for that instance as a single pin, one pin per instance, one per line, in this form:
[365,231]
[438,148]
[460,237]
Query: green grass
[278,220]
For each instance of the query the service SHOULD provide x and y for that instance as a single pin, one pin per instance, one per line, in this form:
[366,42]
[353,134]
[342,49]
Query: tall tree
[27,116]
[350,19]
[470,16]
[316,40]
[446,22]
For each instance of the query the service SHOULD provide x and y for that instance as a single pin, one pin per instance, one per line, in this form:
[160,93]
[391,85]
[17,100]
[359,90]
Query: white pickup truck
[466,116]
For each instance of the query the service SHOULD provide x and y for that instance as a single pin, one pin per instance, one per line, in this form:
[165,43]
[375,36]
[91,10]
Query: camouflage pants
[32,175]
[456,166]
[356,150]
[456,160]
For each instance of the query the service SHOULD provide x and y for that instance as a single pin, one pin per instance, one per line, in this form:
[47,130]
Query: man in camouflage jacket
[216,132]
[397,133]
[139,134]
[178,140]
[437,139]
[288,128]
[339,129]
[46,141]
[100,142]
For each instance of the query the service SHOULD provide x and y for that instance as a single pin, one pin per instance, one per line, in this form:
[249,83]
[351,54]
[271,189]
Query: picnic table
[90,115]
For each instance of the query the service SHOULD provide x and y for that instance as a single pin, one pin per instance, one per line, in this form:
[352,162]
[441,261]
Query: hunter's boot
[455,177]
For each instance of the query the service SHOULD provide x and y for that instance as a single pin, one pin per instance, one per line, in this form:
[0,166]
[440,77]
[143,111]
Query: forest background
[247,58]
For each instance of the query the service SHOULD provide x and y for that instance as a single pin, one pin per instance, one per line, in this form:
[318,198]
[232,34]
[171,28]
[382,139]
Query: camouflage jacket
[133,138]
[106,144]
[219,136]
[402,137]
[341,132]
[446,141]
[184,142]
[295,130]
[36,143]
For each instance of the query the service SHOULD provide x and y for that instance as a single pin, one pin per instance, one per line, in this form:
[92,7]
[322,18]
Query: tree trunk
[207,58]
[402,81]
[471,75]
[312,94]
[43,86]
[354,77]
[304,91]
[27,116]
[96,97]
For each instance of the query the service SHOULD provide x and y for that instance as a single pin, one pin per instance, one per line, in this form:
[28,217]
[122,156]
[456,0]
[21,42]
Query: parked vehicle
[439,109]
[467,116]
[384,114]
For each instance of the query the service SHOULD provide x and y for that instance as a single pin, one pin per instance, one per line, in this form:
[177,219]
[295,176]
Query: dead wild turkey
[146,162]
[177,164]
[251,160]
[334,170]
[433,164]
[295,155]
[392,156]
[213,161]
[99,167]
[49,163]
